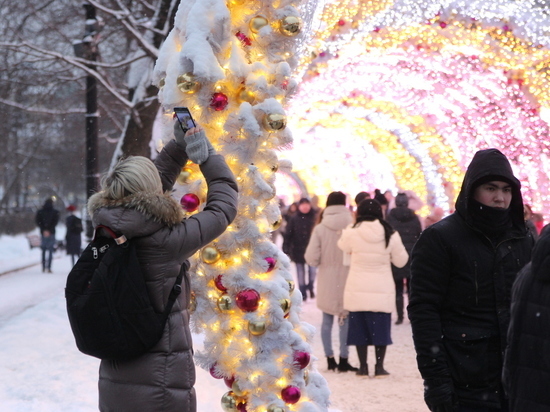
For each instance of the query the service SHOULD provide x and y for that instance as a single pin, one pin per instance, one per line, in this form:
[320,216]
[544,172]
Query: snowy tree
[231,65]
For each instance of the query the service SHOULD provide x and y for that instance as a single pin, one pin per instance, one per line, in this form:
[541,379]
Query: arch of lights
[399,95]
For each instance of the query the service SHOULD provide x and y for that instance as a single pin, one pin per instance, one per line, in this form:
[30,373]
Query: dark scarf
[492,221]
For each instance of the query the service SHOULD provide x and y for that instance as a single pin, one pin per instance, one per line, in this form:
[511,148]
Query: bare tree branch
[39,109]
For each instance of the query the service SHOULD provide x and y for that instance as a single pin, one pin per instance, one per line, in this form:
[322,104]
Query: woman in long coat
[323,253]
[369,294]
[136,202]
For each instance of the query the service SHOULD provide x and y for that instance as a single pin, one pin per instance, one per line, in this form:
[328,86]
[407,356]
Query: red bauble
[219,101]
[219,284]
[243,38]
[301,359]
[229,382]
[190,202]
[271,262]
[341,22]
[214,373]
[291,394]
[248,300]
[241,407]
[442,24]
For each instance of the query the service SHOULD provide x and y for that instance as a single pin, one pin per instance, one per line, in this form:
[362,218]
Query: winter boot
[379,371]
[332,365]
[362,354]
[399,306]
[303,291]
[344,366]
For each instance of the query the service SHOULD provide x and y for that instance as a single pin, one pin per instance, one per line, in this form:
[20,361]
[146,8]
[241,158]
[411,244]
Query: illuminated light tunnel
[406,108]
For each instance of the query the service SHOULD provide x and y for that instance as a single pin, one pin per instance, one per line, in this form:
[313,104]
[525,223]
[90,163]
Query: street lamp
[87,49]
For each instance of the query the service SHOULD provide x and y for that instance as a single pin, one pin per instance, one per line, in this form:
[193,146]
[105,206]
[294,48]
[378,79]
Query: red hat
[71,208]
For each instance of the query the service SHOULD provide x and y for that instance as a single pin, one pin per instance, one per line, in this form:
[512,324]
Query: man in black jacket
[47,219]
[462,271]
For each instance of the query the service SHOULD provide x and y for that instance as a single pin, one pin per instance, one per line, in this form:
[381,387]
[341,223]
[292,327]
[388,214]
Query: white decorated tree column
[231,64]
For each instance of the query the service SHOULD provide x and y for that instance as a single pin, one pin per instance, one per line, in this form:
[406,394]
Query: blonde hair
[131,175]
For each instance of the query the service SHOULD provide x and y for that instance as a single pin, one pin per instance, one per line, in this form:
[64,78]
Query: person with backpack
[46,220]
[135,201]
[73,237]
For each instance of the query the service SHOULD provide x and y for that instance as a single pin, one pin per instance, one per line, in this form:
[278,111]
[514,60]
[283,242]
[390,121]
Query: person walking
[407,223]
[462,271]
[297,234]
[323,253]
[136,201]
[47,219]
[369,294]
[526,372]
[73,237]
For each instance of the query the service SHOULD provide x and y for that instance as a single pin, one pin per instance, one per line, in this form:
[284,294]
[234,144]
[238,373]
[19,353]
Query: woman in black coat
[73,237]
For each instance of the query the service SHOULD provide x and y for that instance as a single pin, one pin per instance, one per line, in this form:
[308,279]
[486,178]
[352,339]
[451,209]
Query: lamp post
[87,49]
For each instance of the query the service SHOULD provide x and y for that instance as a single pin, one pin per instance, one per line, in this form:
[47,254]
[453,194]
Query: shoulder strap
[118,239]
[174,293]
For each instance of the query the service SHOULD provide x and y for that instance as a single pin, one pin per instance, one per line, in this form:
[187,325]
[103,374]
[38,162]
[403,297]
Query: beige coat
[162,380]
[323,253]
[370,286]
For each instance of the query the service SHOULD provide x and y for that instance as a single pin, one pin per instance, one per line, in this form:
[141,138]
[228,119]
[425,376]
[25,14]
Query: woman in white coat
[369,293]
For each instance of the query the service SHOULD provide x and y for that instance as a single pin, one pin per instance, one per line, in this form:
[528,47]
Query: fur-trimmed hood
[137,214]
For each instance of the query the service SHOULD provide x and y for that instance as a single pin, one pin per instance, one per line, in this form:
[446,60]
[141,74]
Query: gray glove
[198,147]
[179,135]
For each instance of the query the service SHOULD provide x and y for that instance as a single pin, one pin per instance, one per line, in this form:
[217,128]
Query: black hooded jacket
[407,224]
[461,283]
[526,372]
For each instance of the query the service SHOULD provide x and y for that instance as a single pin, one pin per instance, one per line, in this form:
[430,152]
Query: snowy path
[42,371]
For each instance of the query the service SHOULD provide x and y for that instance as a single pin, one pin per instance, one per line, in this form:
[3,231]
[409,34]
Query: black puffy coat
[297,234]
[405,221]
[526,372]
[461,290]
[47,218]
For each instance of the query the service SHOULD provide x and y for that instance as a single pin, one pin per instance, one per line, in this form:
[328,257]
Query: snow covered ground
[42,371]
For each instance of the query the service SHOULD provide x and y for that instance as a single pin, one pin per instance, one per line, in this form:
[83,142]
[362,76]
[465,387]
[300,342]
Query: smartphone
[184,118]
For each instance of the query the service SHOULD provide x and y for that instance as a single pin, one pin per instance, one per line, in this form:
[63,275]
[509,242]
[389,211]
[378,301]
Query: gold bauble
[245,95]
[306,376]
[192,303]
[225,303]
[210,255]
[274,121]
[291,286]
[229,402]
[275,408]
[285,305]
[162,82]
[236,2]
[277,224]
[257,328]
[274,168]
[237,389]
[256,23]
[188,83]
[184,175]
[290,26]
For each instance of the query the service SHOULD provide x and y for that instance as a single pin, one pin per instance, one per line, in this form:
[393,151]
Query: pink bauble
[214,373]
[271,262]
[248,300]
[190,202]
[219,101]
[219,284]
[229,382]
[301,359]
[291,394]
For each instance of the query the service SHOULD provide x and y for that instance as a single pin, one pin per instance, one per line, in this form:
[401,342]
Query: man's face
[304,208]
[494,194]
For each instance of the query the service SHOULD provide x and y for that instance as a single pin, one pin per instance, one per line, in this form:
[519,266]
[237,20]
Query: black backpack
[109,309]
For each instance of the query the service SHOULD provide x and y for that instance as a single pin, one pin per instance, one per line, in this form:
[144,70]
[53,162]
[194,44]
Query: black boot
[332,365]
[344,366]
[379,371]
[399,307]
[362,355]
[303,291]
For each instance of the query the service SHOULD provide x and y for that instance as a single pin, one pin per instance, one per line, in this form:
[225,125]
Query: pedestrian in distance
[526,371]
[73,236]
[136,201]
[369,294]
[323,253]
[407,223]
[462,271]
[297,234]
[47,219]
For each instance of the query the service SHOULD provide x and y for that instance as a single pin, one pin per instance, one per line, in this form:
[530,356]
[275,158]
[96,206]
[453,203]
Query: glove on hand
[198,147]
[179,135]
[439,395]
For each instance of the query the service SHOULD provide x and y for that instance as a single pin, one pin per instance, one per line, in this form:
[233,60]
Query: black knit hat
[369,208]
[380,197]
[336,198]
[304,200]
[401,200]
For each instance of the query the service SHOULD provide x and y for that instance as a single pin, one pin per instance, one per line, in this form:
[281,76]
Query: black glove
[439,395]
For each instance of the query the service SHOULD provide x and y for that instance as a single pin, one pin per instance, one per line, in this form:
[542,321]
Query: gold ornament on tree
[188,83]
[162,82]
[306,376]
[275,408]
[225,303]
[229,402]
[291,286]
[274,121]
[184,176]
[192,303]
[245,95]
[257,328]
[256,23]
[285,305]
[277,224]
[290,26]
[237,389]
[210,255]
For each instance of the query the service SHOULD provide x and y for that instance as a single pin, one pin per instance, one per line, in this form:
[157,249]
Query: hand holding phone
[184,118]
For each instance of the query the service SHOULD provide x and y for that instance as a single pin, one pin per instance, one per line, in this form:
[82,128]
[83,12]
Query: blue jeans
[47,246]
[301,274]
[326,335]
